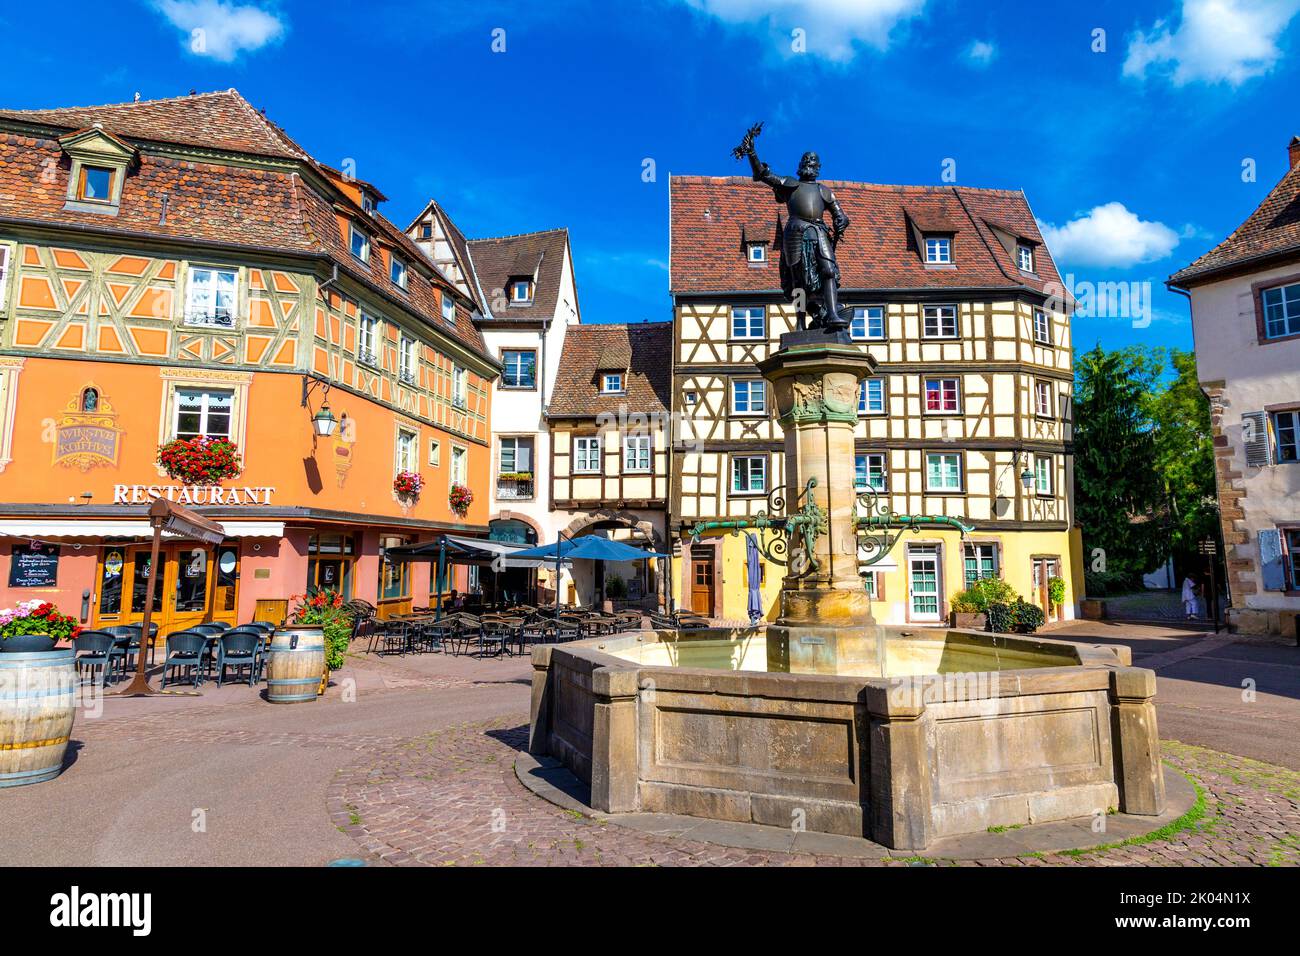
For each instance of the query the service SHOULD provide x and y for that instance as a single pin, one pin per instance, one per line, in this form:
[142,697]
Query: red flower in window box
[460,498]
[201,460]
[407,484]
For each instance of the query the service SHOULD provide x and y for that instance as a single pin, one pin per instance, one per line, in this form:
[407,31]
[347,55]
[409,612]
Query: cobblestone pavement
[450,798]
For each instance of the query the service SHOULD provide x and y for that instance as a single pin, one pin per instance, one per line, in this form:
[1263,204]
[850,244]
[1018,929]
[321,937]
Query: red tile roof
[643,350]
[1272,230]
[294,209]
[712,216]
[535,255]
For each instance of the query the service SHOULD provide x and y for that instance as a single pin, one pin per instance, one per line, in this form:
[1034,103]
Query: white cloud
[832,28]
[981,53]
[1216,41]
[221,30]
[1109,235]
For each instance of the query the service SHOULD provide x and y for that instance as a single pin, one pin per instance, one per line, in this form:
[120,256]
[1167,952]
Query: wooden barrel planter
[297,659]
[38,697]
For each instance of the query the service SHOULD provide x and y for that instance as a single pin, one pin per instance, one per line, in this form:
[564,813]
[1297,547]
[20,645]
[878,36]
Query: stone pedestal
[815,386]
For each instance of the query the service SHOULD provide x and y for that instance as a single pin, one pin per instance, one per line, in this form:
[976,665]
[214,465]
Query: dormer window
[756,252]
[398,273]
[359,244]
[367,203]
[426,230]
[99,163]
[448,308]
[1025,258]
[96,184]
[611,382]
[521,291]
[938,250]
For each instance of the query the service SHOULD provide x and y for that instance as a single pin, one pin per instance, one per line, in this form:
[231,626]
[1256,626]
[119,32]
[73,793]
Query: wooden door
[702,580]
[1044,570]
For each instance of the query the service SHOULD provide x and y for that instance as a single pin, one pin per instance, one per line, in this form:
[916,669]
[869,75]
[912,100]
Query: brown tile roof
[218,120]
[279,210]
[712,215]
[536,255]
[1273,229]
[643,349]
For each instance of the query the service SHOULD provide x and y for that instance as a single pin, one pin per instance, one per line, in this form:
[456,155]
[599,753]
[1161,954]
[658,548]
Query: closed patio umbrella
[755,575]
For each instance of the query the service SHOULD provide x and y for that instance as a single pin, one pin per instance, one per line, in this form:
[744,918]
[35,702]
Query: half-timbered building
[176,268]
[610,452]
[955,295]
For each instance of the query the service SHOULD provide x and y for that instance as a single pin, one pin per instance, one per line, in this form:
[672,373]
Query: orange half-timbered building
[179,267]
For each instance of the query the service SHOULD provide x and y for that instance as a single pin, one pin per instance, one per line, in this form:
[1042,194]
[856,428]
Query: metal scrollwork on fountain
[879,528]
[778,530]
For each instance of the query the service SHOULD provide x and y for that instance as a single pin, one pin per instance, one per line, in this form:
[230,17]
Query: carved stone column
[815,387]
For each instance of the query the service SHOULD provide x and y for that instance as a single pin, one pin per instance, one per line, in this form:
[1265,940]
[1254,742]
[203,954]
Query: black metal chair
[238,649]
[185,652]
[93,651]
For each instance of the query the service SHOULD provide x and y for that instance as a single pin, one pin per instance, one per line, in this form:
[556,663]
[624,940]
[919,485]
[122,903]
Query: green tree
[1185,454]
[1119,496]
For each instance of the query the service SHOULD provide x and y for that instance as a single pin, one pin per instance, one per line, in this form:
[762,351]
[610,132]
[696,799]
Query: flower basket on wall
[201,460]
[460,498]
[407,484]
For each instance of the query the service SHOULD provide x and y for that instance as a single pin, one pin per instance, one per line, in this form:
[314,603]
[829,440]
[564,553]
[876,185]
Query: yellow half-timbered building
[955,295]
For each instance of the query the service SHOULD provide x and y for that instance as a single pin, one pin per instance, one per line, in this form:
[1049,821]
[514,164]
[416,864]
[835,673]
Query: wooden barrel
[294,668]
[38,698]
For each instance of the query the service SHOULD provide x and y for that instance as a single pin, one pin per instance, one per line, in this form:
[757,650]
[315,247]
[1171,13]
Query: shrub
[963,602]
[1028,617]
[327,609]
[616,589]
[1013,617]
[986,591]
[1110,583]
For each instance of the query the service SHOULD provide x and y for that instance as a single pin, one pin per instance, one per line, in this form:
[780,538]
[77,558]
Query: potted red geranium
[34,626]
[460,498]
[407,484]
[200,460]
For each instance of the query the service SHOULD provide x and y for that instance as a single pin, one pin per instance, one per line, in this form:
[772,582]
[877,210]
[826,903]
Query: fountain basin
[903,736]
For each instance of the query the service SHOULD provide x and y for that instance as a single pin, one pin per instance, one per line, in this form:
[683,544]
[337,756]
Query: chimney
[1294,151]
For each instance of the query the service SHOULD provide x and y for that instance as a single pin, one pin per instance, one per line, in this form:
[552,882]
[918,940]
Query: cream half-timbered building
[610,444]
[968,415]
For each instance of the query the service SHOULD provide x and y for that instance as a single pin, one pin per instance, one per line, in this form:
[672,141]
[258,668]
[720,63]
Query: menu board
[34,565]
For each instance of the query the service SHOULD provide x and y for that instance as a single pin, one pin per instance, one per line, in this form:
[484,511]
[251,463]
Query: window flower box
[460,498]
[407,484]
[200,460]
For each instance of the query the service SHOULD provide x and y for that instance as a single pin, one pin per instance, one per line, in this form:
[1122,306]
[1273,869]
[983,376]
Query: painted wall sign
[86,433]
[34,565]
[193,494]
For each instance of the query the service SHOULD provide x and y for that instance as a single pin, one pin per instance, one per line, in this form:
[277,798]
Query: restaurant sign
[193,494]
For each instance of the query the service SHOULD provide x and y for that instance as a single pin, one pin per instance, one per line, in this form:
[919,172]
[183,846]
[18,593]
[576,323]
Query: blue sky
[1134,147]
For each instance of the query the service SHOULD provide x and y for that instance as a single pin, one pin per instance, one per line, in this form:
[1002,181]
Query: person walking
[1189,597]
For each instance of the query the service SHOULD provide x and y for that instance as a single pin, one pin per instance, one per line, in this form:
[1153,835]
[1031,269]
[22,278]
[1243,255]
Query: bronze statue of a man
[807,245]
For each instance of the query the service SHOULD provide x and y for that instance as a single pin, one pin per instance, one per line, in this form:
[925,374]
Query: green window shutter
[1254,432]
[1270,559]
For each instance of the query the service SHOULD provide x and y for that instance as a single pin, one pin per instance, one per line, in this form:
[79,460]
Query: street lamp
[323,422]
[1026,476]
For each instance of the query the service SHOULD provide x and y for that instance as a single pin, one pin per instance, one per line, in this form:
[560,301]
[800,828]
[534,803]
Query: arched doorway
[513,585]
[630,583]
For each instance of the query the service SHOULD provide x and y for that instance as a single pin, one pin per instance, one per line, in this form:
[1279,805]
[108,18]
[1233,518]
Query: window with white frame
[4,273]
[519,368]
[943,471]
[749,322]
[435,453]
[749,475]
[408,362]
[448,308]
[980,561]
[1281,311]
[367,339]
[359,244]
[521,290]
[749,396]
[516,456]
[938,250]
[871,396]
[1043,399]
[611,382]
[869,471]
[397,272]
[211,297]
[942,395]
[367,203]
[1286,437]
[757,252]
[1042,327]
[459,465]
[1025,257]
[405,453]
[636,452]
[1042,474]
[939,322]
[459,387]
[868,323]
[586,455]
[203,411]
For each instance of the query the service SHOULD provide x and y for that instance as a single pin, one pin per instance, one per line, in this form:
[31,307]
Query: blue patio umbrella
[754,568]
[589,547]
